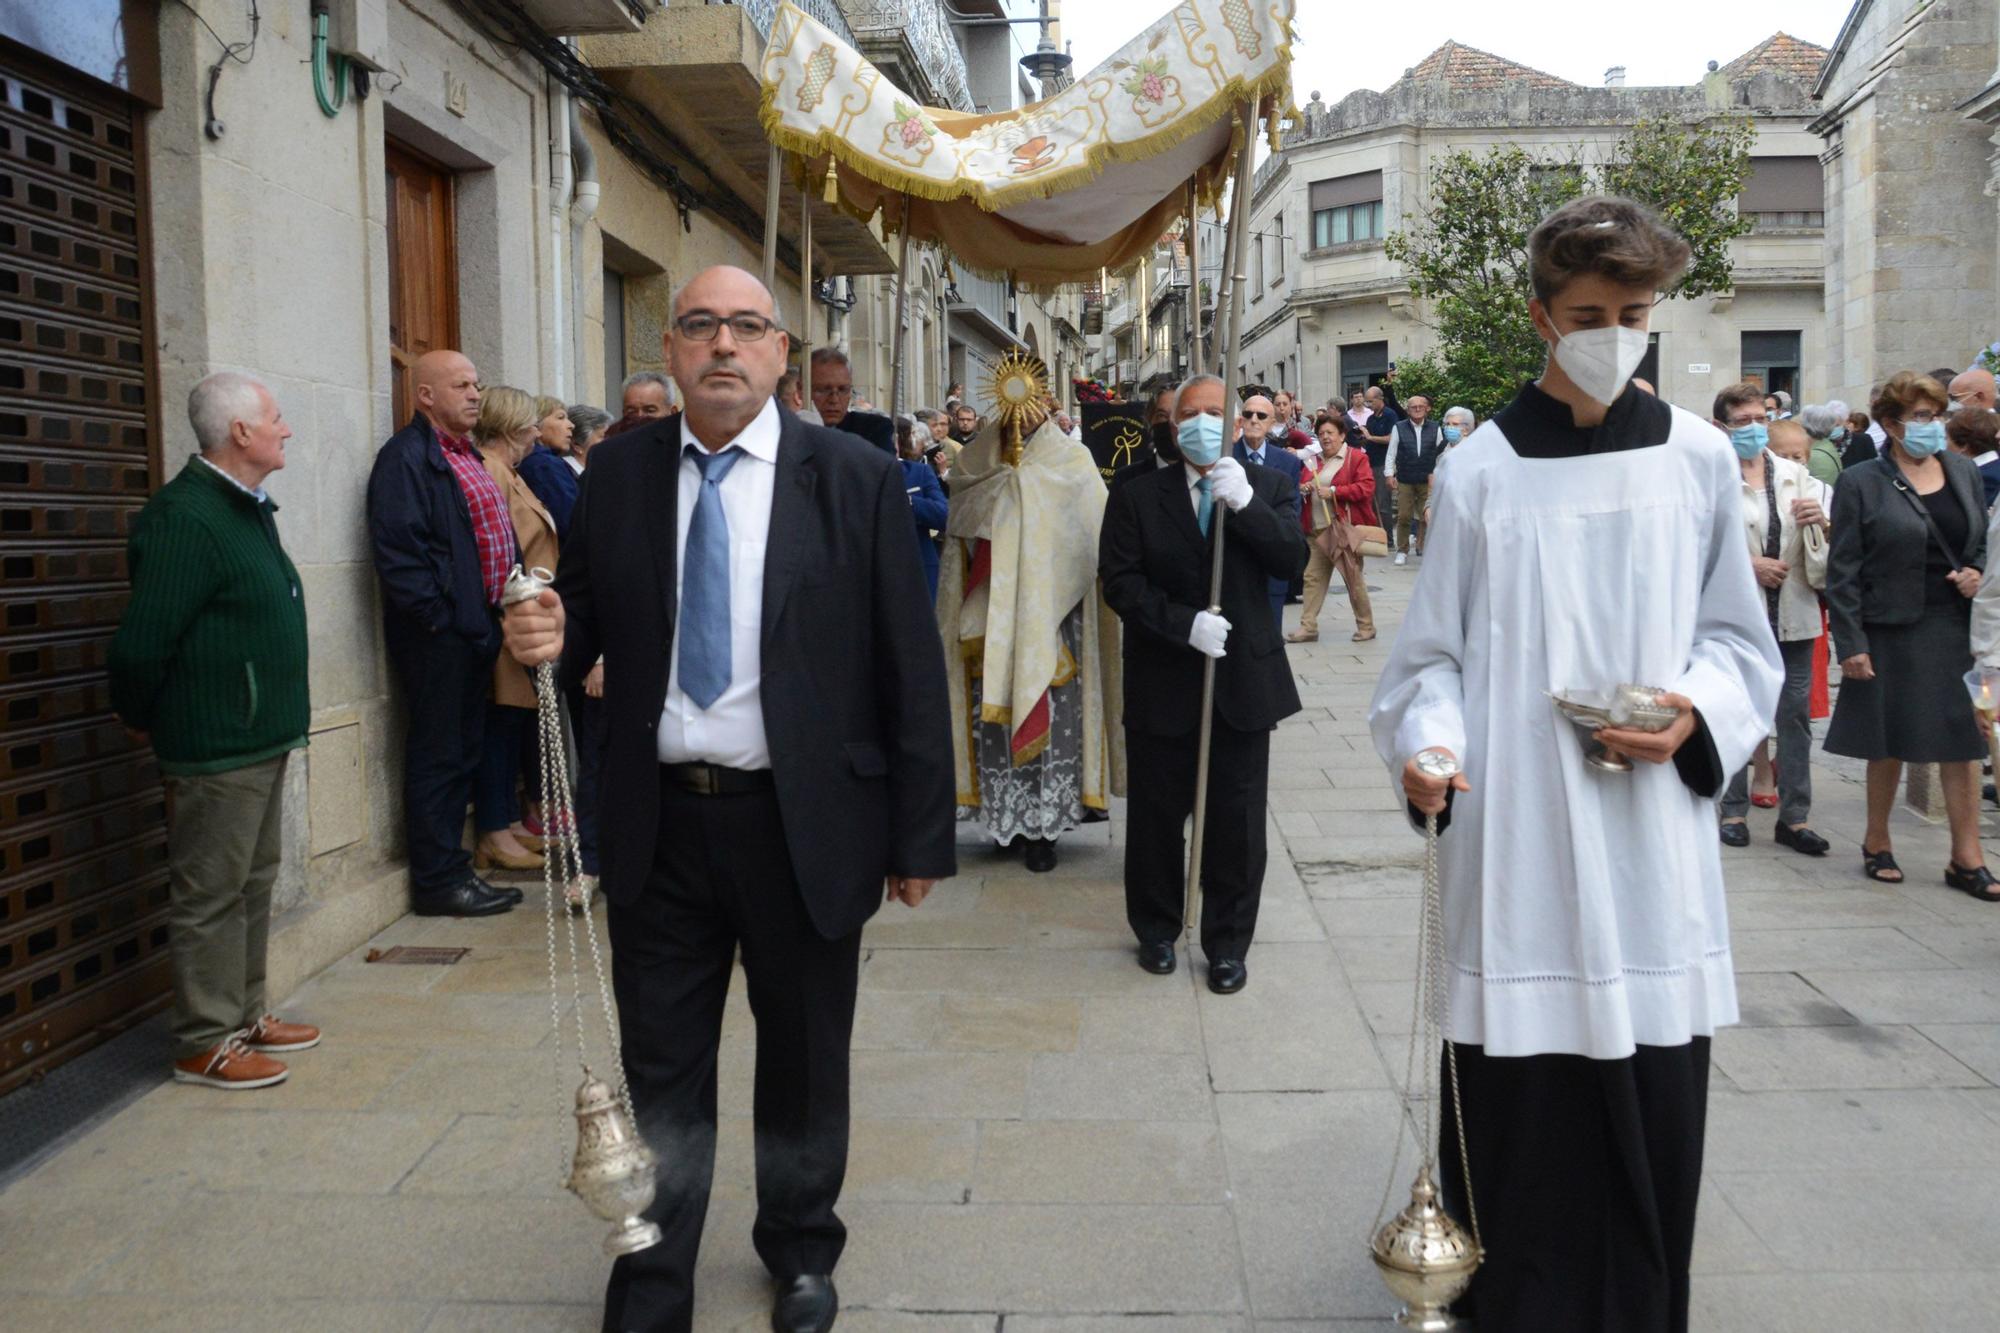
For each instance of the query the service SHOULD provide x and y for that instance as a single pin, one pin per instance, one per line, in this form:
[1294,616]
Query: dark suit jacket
[1875,565]
[1990,474]
[1288,466]
[873,427]
[853,670]
[1155,564]
[421,530]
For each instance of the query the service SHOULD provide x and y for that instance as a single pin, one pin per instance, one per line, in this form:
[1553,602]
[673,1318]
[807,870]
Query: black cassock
[1585,1172]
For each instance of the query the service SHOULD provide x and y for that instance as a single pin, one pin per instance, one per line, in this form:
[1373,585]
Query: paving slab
[1856,1056]
[1108,1161]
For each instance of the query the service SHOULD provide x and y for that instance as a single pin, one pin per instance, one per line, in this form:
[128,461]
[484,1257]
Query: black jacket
[421,530]
[1875,566]
[1155,563]
[853,678]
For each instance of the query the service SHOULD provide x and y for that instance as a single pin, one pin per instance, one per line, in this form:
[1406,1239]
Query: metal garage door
[83,881]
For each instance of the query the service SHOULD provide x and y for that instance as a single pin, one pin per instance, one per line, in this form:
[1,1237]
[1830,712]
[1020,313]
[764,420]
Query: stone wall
[1911,281]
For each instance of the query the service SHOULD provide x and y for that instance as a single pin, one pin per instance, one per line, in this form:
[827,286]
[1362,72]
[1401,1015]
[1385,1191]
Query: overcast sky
[1343,45]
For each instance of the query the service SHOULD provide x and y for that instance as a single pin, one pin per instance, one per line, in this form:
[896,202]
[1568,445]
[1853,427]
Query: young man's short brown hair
[1609,236]
[1737,395]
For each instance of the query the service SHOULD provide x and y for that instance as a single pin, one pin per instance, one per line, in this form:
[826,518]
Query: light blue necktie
[1204,504]
[704,619]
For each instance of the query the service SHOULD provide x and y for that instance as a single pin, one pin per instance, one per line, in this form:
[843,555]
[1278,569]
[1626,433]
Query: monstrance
[1424,1256]
[611,1169]
[1019,386]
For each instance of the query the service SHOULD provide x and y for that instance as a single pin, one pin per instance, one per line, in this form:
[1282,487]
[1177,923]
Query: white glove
[1229,483]
[1210,632]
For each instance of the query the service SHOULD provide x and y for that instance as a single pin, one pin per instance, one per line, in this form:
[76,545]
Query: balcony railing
[921,23]
[987,296]
[1118,313]
[764,12]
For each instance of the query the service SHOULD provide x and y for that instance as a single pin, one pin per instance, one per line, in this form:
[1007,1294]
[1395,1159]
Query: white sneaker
[1402,557]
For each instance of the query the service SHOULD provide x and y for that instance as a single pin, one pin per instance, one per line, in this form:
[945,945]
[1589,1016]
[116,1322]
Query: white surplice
[1583,910]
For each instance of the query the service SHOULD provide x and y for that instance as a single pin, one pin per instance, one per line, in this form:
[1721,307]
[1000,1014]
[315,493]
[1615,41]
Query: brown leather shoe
[271,1033]
[230,1065]
[1302,636]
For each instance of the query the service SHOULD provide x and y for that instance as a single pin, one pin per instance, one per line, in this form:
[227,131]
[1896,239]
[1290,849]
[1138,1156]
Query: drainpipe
[581,210]
[559,183]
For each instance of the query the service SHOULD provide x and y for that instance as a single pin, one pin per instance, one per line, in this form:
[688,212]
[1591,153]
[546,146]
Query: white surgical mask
[1601,361]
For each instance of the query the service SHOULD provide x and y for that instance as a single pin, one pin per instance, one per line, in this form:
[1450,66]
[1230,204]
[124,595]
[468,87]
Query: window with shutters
[1784,192]
[1346,209]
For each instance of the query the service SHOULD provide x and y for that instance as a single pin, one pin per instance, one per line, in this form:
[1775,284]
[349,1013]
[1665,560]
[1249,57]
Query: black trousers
[446,678]
[1161,786]
[723,881]
[1585,1174]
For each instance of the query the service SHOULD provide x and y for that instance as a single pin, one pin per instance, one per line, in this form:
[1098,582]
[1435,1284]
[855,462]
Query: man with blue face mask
[1154,560]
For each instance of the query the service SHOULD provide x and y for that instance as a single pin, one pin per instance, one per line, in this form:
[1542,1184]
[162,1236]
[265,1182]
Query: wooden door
[423,267]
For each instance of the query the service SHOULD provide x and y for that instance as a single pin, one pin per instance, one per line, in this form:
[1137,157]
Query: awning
[1052,192]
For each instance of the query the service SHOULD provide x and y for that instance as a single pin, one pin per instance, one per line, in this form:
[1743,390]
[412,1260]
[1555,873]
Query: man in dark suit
[778,750]
[1255,445]
[1154,559]
[833,399]
[443,543]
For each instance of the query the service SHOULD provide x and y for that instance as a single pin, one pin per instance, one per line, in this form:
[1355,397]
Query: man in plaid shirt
[443,547]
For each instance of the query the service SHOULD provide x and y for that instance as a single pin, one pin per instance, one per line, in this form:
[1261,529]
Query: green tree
[1468,256]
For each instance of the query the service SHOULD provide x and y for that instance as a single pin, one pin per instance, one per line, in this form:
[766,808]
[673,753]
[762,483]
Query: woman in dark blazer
[1909,541]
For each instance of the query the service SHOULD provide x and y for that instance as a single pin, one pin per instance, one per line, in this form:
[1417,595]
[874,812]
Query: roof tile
[1468,69]
[1780,53]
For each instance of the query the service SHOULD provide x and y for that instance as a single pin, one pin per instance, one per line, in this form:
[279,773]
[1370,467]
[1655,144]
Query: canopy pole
[902,318]
[1191,307]
[806,286]
[772,173]
[1239,222]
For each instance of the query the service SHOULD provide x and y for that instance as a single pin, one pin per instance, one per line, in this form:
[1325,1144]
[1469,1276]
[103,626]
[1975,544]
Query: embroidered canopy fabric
[1085,180]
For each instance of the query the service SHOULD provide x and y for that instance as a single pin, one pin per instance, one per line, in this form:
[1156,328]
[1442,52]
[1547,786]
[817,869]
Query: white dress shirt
[730,731]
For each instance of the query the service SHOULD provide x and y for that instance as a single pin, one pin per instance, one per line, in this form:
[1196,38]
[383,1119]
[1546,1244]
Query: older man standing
[1255,445]
[209,664]
[648,395]
[833,398]
[1154,557]
[768,772]
[443,545]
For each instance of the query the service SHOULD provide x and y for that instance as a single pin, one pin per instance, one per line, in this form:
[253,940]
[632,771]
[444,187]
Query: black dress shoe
[1158,958]
[1226,976]
[507,891]
[1802,840]
[805,1305]
[468,897]
[1736,834]
[1041,855]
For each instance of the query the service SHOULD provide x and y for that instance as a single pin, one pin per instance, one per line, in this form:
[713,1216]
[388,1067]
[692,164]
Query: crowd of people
[790,666]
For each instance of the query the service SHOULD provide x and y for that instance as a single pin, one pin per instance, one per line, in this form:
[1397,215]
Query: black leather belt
[714,779]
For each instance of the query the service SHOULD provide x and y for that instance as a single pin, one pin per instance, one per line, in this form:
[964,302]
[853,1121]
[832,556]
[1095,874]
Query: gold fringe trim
[1033,752]
[1224,101]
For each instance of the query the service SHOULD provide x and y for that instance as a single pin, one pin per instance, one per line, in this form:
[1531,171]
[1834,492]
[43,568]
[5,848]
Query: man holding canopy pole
[1155,560]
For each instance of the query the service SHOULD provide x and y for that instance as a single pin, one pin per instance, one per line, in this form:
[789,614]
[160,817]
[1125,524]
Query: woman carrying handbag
[1341,503]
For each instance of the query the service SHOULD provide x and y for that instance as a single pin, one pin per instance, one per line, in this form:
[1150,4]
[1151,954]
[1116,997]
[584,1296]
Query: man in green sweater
[209,666]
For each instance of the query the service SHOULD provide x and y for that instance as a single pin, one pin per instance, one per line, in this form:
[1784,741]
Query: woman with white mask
[1909,541]
[1589,535]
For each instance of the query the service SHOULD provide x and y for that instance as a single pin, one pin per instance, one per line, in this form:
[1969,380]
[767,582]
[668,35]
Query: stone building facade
[1910,99]
[1328,312]
[527,180]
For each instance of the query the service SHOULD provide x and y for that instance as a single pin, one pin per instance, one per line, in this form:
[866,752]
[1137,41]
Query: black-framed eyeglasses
[1256,416]
[702,328]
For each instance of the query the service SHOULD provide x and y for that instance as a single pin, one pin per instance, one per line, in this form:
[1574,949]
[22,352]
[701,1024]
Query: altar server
[1591,535]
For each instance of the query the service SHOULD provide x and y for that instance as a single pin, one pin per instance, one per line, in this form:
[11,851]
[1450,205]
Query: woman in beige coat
[505,432]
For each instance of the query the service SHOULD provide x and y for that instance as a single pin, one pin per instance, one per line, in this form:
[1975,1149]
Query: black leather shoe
[507,891]
[805,1305]
[1226,976]
[1041,855]
[468,897]
[1158,958]
[1737,835]
[1802,840]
